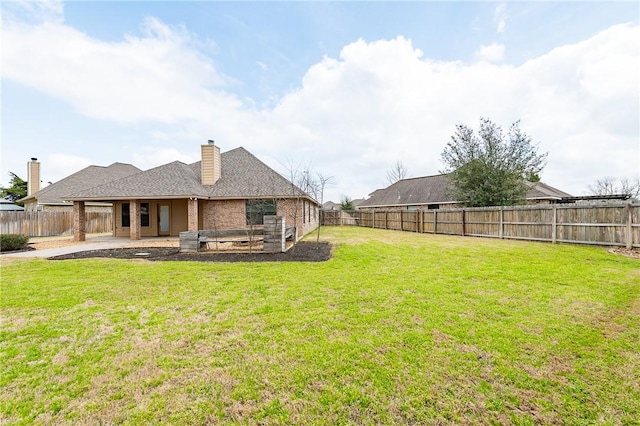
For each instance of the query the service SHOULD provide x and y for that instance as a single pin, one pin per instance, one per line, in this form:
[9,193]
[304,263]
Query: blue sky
[346,88]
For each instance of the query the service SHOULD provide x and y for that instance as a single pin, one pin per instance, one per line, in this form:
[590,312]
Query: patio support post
[79,228]
[192,212]
[134,220]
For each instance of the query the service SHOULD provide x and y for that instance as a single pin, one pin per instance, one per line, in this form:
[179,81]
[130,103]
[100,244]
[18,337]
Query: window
[412,208]
[433,206]
[144,215]
[125,215]
[257,209]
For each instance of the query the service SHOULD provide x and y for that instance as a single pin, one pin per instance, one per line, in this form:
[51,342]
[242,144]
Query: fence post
[629,226]
[463,222]
[554,224]
[501,230]
[435,221]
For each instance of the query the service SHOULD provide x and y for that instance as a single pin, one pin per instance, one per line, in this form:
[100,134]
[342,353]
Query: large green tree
[491,167]
[347,204]
[16,190]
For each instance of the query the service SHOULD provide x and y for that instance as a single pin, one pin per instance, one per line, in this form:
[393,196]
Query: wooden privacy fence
[50,223]
[609,225]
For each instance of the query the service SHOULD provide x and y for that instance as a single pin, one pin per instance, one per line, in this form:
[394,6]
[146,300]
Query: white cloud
[500,17]
[58,166]
[382,102]
[33,11]
[148,157]
[353,116]
[491,53]
[158,76]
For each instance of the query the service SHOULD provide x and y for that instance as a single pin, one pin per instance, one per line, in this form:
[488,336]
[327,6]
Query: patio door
[164,216]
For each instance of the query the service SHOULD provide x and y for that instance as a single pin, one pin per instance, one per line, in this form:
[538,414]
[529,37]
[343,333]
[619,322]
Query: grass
[396,328]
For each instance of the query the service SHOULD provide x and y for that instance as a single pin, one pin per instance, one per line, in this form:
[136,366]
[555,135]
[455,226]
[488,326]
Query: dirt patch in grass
[301,252]
[634,253]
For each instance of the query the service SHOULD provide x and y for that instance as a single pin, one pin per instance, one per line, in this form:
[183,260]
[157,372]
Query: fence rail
[608,225]
[47,224]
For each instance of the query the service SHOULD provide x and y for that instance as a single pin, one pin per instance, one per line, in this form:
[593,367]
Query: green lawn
[396,328]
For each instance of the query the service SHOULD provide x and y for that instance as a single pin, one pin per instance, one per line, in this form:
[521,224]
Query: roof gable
[420,190]
[86,178]
[245,176]
[175,179]
[435,190]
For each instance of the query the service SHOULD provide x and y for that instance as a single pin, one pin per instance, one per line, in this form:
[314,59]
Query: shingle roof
[542,190]
[86,178]
[169,180]
[433,190]
[243,176]
[7,204]
[420,190]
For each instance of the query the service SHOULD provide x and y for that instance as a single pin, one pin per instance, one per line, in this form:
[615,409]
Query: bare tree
[397,172]
[610,186]
[306,182]
[317,189]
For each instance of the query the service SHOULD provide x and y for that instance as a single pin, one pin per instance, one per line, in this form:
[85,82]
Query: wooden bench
[205,240]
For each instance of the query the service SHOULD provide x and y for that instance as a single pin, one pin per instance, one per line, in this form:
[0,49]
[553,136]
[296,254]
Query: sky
[344,89]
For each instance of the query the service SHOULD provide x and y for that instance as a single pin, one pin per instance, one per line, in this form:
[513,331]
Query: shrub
[9,242]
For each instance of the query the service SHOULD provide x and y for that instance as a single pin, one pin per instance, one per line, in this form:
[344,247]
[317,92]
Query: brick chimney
[33,176]
[211,166]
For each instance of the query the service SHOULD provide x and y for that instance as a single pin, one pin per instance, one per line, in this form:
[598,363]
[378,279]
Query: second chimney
[211,167]
[33,176]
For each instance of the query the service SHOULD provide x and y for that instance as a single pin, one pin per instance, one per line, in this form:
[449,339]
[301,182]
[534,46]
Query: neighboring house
[432,192]
[7,205]
[232,190]
[53,197]
[330,205]
[357,202]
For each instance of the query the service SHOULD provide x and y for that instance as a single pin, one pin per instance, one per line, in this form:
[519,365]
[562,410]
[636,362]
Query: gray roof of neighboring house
[543,191]
[7,204]
[434,190]
[420,190]
[243,176]
[88,177]
[330,205]
[357,201]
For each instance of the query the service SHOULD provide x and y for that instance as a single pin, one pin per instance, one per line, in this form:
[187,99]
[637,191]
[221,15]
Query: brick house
[230,190]
[431,192]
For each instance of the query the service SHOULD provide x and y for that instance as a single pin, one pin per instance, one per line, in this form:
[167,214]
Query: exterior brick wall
[232,214]
[134,220]
[297,214]
[79,228]
[225,214]
[192,215]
